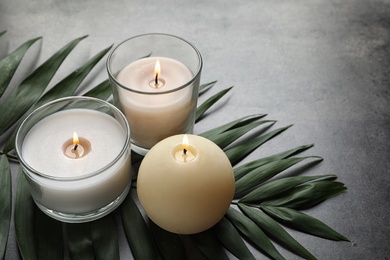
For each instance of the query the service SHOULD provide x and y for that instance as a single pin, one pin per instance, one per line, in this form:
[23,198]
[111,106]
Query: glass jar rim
[194,77]
[124,149]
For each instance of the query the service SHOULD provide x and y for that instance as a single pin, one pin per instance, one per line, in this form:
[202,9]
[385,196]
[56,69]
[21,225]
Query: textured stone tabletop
[323,66]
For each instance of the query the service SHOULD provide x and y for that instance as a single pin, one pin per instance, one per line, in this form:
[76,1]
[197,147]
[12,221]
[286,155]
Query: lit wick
[157,71]
[76,147]
[156,80]
[184,152]
[75,141]
[185,145]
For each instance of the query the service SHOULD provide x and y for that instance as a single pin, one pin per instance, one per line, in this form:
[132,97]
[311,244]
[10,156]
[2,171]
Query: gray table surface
[320,65]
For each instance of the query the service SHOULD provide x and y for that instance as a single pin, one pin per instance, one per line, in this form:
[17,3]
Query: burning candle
[76,148]
[185,185]
[154,117]
[157,93]
[76,179]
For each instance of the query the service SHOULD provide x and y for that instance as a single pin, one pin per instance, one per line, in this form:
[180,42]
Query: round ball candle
[185,187]
[155,108]
[71,160]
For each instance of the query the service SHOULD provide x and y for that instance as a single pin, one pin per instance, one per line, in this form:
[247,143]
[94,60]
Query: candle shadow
[136,160]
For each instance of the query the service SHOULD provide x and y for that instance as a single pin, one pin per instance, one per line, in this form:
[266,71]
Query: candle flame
[157,71]
[75,139]
[185,143]
[157,68]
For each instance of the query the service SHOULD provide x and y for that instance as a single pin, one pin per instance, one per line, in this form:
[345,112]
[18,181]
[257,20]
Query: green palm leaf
[80,241]
[137,233]
[229,237]
[263,173]
[215,132]
[229,136]
[64,88]
[277,187]
[274,230]
[25,95]
[244,169]
[101,91]
[105,238]
[169,244]
[253,233]
[3,32]
[205,87]
[24,219]
[303,222]
[48,237]
[6,202]
[69,84]
[10,63]
[239,152]
[93,240]
[308,195]
[209,245]
[208,103]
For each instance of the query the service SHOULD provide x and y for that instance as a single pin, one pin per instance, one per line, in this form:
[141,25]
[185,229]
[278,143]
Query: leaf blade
[263,173]
[65,87]
[244,169]
[303,222]
[239,152]
[48,238]
[277,187]
[226,138]
[69,84]
[209,102]
[137,233]
[80,241]
[10,63]
[24,218]
[253,233]
[206,86]
[101,91]
[209,245]
[169,244]
[6,203]
[22,97]
[231,239]
[213,133]
[105,238]
[273,229]
[308,195]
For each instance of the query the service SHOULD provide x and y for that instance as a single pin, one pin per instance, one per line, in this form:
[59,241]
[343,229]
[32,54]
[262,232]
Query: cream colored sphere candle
[185,186]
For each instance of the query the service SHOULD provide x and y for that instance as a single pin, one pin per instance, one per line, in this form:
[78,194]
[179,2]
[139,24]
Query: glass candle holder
[155,80]
[75,155]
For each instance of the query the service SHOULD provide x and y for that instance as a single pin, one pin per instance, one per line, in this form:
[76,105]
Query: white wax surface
[185,194]
[155,117]
[43,145]
[43,151]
